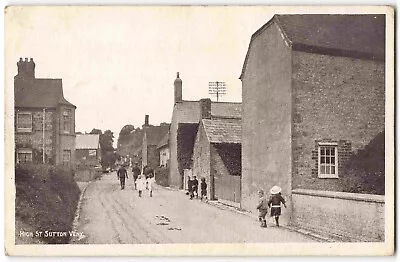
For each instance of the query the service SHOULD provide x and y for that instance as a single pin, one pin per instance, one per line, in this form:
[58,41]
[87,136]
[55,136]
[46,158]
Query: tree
[96,131]
[106,141]
[125,134]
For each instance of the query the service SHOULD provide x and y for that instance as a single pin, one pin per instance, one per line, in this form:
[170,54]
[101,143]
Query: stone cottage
[183,130]
[88,152]
[313,91]
[152,135]
[217,155]
[44,119]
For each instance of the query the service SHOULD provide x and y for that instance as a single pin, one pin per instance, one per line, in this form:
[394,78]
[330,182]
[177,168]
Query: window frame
[335,146]
[24,129]
[67,118]
[24,151]
[63,157]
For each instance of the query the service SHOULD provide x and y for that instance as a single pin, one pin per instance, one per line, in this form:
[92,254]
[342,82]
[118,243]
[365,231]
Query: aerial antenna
[217,88]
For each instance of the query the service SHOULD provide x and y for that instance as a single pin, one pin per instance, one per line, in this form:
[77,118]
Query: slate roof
[164,141]
[189,111]
[155,133]
[87,141]
[40,93]
[357,36]
[223,130]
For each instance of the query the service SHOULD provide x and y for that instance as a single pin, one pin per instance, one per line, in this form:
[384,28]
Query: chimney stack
[26,68]
[177,89]
[205,108]
[146,120]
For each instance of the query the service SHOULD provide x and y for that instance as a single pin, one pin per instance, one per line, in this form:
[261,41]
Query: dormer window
[24,122]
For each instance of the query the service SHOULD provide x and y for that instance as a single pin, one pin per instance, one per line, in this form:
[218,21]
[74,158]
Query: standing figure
[196,186]
[141,184]
[275,201]
[136,172]
[150,184]
[190,187]
[122,174]
[203,186]
[262,208]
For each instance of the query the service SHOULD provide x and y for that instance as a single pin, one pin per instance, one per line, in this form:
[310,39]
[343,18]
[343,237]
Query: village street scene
[268,130]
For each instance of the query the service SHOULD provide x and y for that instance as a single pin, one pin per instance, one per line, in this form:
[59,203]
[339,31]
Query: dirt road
[110,215]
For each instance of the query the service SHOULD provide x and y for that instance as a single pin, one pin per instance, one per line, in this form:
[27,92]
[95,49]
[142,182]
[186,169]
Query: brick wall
[335,99]
[34,139]
[266,121]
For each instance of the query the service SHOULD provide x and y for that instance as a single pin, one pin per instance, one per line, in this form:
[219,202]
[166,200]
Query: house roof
[189,111]
[357,36]
[155,133]
[223,130]
[164,141]
[87,141]
[40,93]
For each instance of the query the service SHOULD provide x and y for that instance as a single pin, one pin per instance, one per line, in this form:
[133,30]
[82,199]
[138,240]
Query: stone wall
[201,161]
[346,216]
[266,117]
[335,99]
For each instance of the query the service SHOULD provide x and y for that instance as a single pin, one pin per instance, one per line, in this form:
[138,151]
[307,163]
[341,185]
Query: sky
[118,64]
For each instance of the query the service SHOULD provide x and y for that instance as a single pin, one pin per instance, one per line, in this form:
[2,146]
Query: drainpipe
[44,126]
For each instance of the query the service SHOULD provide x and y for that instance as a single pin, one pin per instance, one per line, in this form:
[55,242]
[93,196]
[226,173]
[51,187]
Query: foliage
[108,156]
[365,170]
[125,134]
[46,198]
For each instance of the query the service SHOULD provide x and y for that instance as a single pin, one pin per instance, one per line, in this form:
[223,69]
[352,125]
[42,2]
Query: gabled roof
[223,130]
[164,141]
[87,141]
[357,36]
[189,111]
[155,133]
[38,92]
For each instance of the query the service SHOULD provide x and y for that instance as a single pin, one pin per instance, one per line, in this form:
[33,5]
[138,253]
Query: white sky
[119,63]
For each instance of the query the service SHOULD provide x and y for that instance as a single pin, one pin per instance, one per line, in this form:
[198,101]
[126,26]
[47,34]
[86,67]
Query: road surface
[110,215]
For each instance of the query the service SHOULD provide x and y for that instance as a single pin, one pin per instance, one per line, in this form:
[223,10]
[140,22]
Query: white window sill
[24,130]
[328,176]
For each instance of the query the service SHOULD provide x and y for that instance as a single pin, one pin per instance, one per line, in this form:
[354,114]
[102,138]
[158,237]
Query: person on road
[141,184]
[122,174]
[262,208]
[136,172]
[195,186]
[203,186]
[275,201]
[150,184]
[190,187]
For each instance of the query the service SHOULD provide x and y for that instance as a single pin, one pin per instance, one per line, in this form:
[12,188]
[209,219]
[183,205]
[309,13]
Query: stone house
[313,91]
[87,148]
[44,119]
[152,135]
[183,130]
[163,149]
[217,155]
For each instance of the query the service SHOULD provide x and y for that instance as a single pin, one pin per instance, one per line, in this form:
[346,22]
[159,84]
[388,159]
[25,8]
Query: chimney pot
[177,89]
[146,120]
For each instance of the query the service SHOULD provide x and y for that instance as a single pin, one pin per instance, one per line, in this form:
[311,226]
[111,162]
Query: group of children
[274,202]
[141,181]
[193,188]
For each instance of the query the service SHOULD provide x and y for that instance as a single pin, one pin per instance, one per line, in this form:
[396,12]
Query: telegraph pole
[217,89]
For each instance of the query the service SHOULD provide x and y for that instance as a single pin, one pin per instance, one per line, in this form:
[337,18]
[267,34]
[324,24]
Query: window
[66,157]
[327,160]
[24,155]
[24,122]
[67,120]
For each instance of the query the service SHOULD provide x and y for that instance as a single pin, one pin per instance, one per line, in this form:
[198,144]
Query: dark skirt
[275,211]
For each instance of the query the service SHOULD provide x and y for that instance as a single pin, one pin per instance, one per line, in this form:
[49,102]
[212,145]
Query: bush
[46,198]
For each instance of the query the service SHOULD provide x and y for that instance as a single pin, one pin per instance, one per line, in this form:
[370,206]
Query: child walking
[275,201]
[262,208]
[203,187]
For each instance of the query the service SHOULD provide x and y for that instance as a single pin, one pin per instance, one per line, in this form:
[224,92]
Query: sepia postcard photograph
[199,131]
